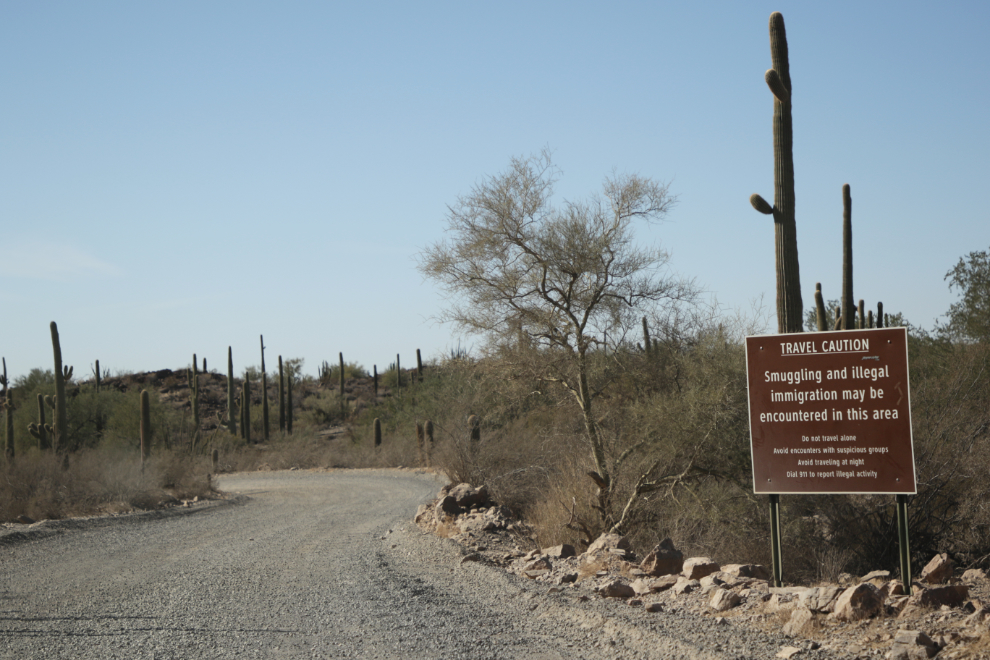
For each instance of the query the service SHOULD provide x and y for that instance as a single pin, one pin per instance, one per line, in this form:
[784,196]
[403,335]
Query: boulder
[723,599]
[974,575]
[607,542]
[860,602]
[663,559]
[560,551]
[953,595]
[696,568]
[912,645]
[685,586]
[802,622]
[664,582]
[819,599]
[616,589]
[938,570]
[466,497]
[756,571]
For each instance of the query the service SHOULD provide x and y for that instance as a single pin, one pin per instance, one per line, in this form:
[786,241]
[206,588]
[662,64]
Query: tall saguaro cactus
[60,427]
[264,391]
[789,306]
[8,407]
[343,402]
[231,423]
[848,302]
[281,396]
[40,430]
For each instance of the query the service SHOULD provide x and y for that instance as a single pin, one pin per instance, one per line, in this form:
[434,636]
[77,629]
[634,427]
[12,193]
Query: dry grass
[95,481]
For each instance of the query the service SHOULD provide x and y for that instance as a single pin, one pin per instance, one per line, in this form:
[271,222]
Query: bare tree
[563,283]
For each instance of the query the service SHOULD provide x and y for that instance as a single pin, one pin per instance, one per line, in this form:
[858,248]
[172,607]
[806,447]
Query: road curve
[307,565]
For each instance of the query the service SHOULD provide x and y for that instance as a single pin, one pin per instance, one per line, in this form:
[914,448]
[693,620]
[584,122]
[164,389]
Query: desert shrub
[43,485]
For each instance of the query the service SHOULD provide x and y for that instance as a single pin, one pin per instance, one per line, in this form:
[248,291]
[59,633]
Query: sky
[180,177]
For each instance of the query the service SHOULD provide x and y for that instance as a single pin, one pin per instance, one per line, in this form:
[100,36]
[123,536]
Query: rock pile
[863,617]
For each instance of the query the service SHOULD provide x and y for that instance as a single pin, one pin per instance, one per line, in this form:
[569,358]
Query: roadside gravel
[311,564]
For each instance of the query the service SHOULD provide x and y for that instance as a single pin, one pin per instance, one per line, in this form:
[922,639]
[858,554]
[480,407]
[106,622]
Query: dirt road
[306,565]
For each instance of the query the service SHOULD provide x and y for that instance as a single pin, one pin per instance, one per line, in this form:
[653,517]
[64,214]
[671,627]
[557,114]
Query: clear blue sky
[177,177]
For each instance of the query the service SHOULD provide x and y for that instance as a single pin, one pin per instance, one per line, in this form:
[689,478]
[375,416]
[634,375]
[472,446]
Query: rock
[685,586]
[938,570]
[723,600]
[25,520]
[616,589]
[979,617]
[537,573]
[654,607]
[912,645]
[567,578]
[634,602]
[892,588]
[698,567]
[423,514]
[788,652]
[819,599]
[859,602]
[560,551]
[447,505]
[606,542]
[466,497]
[663,559]
[538,564]
[878,578]
[974,575]
[714,579]
[664,583]
[802,622]
[756,571]
[474,556]
[641,587]
[896,604]
[953,595]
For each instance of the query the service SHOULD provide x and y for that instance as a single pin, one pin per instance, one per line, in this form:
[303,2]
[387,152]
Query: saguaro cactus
[647,346]
[231,406]
[374,370]
[474,422]
[419,366]
[848,302]
[40,430]
[288,405]
[60,427]
[145,426]
[281,396]
[778,78]
[820,315]
[341,385]
[398,372]
[246,407]
[8,407]
[216,460]
[378,432]
[193,376]
[264,391]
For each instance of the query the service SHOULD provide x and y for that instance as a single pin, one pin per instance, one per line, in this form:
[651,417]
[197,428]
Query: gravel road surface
[310,565]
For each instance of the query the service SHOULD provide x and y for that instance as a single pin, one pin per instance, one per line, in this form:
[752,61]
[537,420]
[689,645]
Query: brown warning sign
[830,412]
